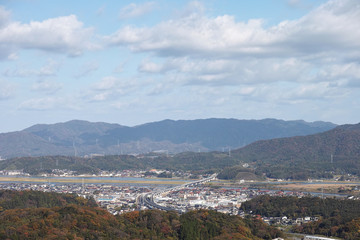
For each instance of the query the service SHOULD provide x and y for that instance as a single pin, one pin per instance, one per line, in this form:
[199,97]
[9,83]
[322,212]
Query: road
[147,199]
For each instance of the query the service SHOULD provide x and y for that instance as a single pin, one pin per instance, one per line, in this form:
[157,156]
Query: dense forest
[35,199]
[338,218]
[200,224]
[38,215]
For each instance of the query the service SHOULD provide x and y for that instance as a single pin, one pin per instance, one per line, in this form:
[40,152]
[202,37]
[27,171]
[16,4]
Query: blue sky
[132,62]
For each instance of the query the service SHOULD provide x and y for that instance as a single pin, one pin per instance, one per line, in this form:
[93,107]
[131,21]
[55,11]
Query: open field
[86,180]
[325,187]
[318,187]
[314,187]
[300,186]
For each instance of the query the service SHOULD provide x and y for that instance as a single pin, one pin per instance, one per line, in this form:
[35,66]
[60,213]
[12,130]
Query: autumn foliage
[38,215]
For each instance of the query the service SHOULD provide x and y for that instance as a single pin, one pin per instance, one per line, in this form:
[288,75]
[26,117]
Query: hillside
[337,217]
[71,219]
[317,155]
[35,199]
[79,138]
[25,144]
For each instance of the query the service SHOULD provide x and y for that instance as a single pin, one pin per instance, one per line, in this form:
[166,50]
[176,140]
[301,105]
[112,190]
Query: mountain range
[320,155]
[81,138]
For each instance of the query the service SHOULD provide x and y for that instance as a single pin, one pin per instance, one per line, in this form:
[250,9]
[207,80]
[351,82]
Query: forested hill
[72,218]
[337,217]
[81,138]
[333,151]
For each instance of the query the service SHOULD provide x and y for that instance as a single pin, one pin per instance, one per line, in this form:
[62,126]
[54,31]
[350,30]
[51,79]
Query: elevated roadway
[147,199]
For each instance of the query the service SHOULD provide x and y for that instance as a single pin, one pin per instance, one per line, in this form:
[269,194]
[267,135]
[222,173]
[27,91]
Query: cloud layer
[192,64]
[333,25]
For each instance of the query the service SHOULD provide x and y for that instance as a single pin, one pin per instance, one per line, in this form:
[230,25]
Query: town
[119,198]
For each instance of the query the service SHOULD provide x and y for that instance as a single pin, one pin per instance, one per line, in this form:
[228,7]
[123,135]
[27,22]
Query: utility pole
[75,151]
[83,185]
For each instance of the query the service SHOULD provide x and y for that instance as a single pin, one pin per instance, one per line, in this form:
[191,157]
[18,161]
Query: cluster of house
[13,173]
[226,200]
[288,221]
[123,173]
[120,198]
[222,200]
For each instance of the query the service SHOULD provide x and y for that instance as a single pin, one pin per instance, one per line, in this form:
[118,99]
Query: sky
[133,62]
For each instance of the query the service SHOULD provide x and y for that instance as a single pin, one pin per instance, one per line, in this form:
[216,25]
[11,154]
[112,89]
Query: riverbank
[342,188]
[89,180]
[331,187]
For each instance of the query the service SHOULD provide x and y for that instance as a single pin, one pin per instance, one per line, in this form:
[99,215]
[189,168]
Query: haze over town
[132,62]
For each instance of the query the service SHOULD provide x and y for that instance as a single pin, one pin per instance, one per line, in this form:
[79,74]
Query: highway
[147,199]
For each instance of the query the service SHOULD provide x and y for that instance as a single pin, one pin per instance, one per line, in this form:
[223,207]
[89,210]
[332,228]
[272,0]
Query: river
[93,180]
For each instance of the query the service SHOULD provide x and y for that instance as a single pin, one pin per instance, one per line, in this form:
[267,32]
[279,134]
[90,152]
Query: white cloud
[300,4]
[110,88]
[4,16]
[101,11]
[7,90]
[41,104]
[49,103]
[292,93]
[193,8]
[343,75]
[62,34]
[192,65]
[86,69]
[194,36]
[107,83]
[293,2]
[49,69]
[311,58]
[13,56]
[311,92]
[150,67]
[334,26]
[119,68]
[128,104]
[135,10]
[160,88]
[231,71]
[47,86]
[246,91]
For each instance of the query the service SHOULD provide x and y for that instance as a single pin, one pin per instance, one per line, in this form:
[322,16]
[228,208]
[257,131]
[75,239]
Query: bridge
[147,199]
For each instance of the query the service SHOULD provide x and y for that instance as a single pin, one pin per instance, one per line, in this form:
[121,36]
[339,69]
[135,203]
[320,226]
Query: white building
[317,238]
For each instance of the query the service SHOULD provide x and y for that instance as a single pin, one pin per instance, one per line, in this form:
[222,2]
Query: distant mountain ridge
[80,138]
